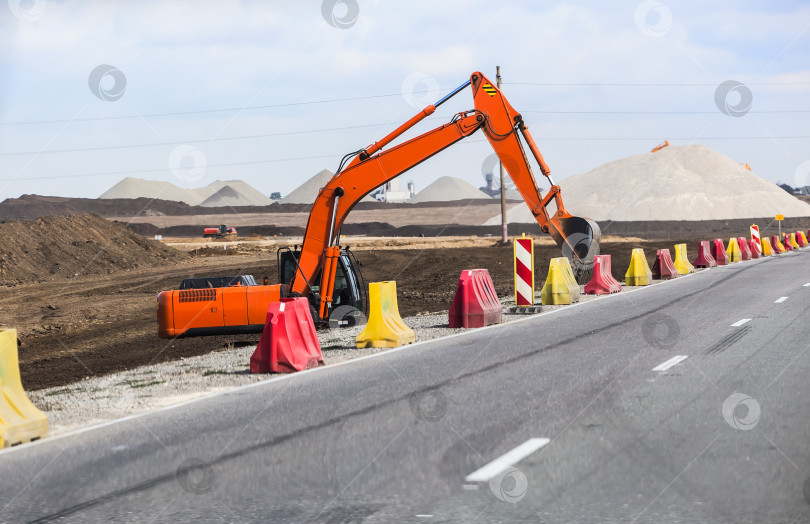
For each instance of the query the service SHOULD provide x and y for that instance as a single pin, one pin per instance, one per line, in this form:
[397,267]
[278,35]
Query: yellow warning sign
[489,89]
[780,217]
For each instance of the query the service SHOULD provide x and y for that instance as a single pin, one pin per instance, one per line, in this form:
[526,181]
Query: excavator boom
[371,167]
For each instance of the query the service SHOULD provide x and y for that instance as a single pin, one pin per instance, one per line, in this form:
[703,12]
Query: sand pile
[308,191]
[137,187]
[449,188]
[78,245]
[219,193]
[679,183]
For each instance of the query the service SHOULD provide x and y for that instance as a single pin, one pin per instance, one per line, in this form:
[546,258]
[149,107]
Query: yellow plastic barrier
[793,241]
[781,245]
[804,237]
[561,287]
[682,261]
[385,328]
[20,420]
[733,251]
[766,247]
[639,272]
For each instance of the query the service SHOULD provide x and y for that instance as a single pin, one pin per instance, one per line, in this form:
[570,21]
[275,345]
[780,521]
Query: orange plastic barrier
[664,268]
[476,304]
[602,281]
[289,342]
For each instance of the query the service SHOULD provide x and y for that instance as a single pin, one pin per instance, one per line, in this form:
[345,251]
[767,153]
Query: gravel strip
[100,399]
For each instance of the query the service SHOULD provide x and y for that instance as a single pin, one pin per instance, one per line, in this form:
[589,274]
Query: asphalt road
[721,436]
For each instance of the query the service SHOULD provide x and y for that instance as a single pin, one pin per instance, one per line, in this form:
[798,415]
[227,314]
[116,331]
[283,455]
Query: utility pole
[504,233]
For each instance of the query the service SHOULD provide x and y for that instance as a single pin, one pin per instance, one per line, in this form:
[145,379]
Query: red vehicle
[222,231]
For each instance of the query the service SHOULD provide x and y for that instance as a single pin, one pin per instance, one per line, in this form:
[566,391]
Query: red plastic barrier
[745,250]
[800,240]
[664,268]
[754,248]
[786,242]
[289,342]
[602,281]
[704,257]
[775,245]
[476,303]
[719,252]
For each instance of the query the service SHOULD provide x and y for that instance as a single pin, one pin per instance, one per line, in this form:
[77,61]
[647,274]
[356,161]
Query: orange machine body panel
[212,311]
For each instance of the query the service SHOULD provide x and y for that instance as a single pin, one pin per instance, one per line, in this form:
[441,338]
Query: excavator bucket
[579,240]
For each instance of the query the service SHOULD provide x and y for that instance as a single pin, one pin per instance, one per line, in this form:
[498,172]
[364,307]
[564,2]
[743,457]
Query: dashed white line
[780,300]
[671,362]
[506,460]
[740,322]
[806,285]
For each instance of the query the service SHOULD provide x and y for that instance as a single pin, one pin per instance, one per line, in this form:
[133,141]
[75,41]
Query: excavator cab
[349,301]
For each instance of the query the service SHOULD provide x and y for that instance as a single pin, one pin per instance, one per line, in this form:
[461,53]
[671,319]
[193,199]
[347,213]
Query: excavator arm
[372,167]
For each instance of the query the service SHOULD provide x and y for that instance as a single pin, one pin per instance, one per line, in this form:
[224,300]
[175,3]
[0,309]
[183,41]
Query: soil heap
[64,247]
[308,191]
[679,183]
[220,193]
[449,188]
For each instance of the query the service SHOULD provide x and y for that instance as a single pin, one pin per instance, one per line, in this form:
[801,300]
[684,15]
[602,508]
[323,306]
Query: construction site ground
[76,328]
[97,399]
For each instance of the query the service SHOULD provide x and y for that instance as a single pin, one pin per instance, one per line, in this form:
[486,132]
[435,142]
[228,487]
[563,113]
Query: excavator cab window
[347,291]
[347,288]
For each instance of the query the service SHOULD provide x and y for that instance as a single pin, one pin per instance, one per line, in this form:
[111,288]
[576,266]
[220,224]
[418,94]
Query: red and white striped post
[756,238]
[524,271]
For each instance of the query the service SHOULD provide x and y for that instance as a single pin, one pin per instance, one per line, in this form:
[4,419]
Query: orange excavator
[660,146]
[328,275]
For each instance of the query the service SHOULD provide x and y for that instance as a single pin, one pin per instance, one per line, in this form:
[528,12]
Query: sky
[272,92]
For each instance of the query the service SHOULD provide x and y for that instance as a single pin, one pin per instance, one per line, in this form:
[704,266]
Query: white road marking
[806,285]
[424,516]
[780,300]
[470,487]
[671,362]
[507,460]
[740,322]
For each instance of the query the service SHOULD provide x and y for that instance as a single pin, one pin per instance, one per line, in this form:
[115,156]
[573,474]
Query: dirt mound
[239,194]
[29,207]
[449,188]
[678,183]
[50,248]
[308,191]
[226,196]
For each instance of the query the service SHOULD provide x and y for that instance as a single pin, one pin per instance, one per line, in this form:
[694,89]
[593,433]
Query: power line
[646,84]
[338,155]
[363,126]
[164,169]
[714,112]
[200,111]
[686,139]
[182,142]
